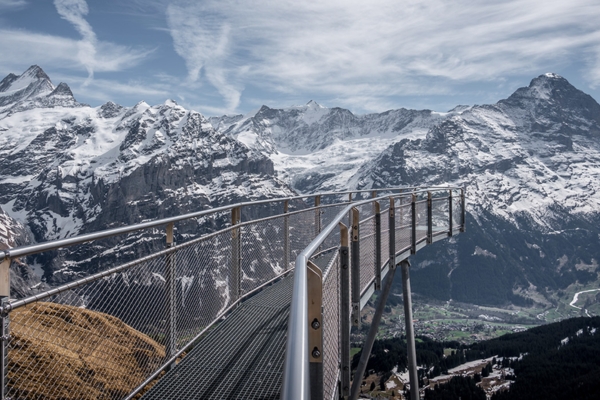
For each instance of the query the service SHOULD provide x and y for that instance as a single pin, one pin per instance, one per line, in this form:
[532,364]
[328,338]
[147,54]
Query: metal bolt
[315,324]
[344,252]
[344,266]
[316,353]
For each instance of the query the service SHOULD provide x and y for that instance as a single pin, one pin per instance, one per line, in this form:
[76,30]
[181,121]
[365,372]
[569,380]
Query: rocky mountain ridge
[530,164]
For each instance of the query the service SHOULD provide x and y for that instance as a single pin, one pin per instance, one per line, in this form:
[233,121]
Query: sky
[232,56]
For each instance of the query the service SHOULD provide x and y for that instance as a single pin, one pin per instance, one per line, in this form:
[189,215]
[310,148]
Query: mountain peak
[314,104]
[35,72]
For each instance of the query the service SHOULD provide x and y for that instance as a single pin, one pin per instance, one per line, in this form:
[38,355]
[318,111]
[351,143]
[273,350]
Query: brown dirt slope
[64,352]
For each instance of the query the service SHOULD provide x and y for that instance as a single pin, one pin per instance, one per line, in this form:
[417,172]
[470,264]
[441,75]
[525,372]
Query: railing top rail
[59,243]
[297,363]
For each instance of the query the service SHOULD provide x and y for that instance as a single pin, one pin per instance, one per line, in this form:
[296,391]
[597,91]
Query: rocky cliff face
[67,169]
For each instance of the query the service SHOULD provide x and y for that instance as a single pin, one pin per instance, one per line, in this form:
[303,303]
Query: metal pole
[429,218]
[4,326]
[345,311]
[392,233]
[286,236]
[410,334]
[368,346]
[413,235]
[315,329]
[171,292]
[355,268]
[463,225]
[235,285]
[377,245]
[450,222]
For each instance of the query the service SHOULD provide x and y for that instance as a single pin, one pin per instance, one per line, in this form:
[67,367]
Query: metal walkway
[241,358]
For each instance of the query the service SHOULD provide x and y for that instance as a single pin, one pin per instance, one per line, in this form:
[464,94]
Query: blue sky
[232,56]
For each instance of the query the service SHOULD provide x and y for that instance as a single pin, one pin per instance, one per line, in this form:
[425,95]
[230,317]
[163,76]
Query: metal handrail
[296,385]
[59,243]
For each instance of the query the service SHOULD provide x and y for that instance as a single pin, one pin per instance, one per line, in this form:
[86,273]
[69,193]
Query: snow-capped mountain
[530,163]
[67,168]
[316,148]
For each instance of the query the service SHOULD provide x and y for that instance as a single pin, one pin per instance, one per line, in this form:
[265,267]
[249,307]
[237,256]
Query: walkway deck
[241,358]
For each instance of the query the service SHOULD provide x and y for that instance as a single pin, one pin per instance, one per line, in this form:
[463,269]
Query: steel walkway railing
[111,334]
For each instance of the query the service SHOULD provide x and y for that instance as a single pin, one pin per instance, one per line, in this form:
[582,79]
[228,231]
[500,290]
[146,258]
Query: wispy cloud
[12,4]
[379,48]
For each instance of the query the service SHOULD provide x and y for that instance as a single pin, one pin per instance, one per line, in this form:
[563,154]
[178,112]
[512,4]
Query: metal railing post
[429,219]
[286,236]
[314,282]
[413,234]
[171,293]
[345,311]
[410,333]
[317,215]
[355,268]
[236,254]
[463,225]
[450,222]
[4,326]
[377,245]
[392,233]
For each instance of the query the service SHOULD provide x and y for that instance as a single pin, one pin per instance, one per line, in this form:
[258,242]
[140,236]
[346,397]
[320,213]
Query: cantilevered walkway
[261,308]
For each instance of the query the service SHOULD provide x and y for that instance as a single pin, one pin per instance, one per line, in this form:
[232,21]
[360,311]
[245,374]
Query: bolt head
[316,353]
[315,324]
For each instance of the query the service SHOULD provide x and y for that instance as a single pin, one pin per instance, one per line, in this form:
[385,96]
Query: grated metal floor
[242,358]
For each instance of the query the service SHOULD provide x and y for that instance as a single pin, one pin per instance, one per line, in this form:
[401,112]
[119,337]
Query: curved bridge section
[259,308]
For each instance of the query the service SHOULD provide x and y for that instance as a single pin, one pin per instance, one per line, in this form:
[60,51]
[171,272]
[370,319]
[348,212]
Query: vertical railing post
[392,233]
[450,221]
[429,218]
[317,215]
[377,208]
[344,311]
[355,268]
[463,225]
[4,326]
[410,333]
[236,254]
[286,236]
[413,234]
[171,293]
[314,282]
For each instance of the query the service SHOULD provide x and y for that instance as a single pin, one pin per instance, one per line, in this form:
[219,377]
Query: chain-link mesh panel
[367,251]
[331,327]
[421,220]
[302,232]
[385,236]
[205,284]
[456,210]
[262,252]
[403,223]
[327,215]
[439,214]
[97,341]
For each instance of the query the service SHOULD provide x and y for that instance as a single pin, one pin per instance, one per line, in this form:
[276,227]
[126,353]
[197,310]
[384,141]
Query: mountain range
[530,165]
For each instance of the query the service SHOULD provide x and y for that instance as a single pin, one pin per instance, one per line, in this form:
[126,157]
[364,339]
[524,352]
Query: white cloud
[52,51]
[376,49]
[12,4]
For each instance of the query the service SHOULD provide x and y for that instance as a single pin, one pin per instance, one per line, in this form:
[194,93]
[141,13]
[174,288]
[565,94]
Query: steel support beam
[344,311]
[392,232]
[4,327]
[410,333]
[368,346]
